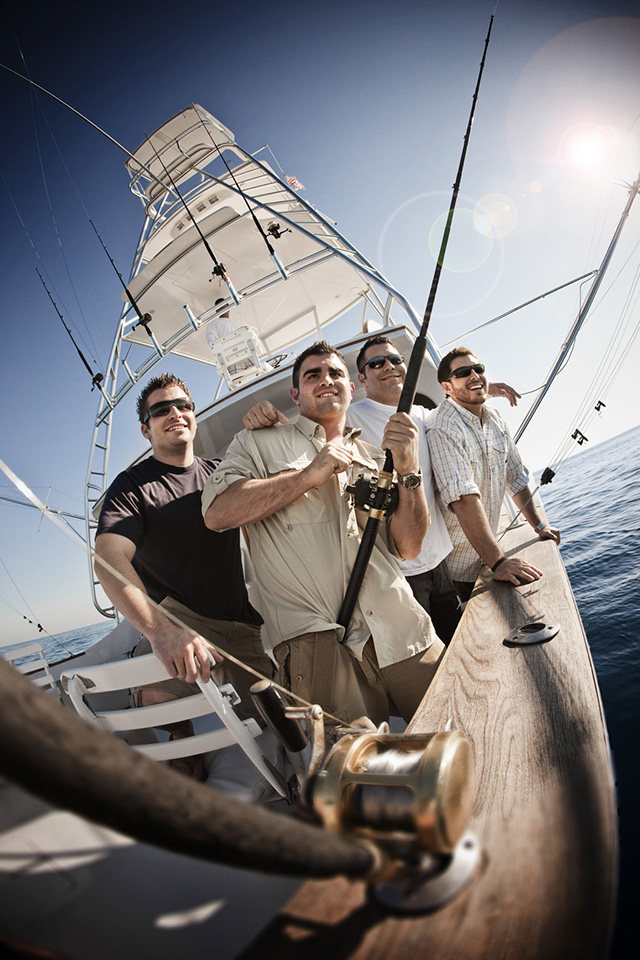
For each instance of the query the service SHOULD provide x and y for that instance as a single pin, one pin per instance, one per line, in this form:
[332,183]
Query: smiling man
[151,531]
[475,463]
[287,487]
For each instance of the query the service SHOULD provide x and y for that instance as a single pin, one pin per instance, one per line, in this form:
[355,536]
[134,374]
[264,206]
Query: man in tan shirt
[286,487]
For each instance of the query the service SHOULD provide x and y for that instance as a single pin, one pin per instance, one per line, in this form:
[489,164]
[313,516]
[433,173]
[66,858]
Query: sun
[586,149]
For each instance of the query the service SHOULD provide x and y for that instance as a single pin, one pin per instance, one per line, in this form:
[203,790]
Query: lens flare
[495,215]
[470,243]
[412,236]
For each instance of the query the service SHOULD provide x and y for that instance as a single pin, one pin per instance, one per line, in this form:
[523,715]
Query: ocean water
[595,500]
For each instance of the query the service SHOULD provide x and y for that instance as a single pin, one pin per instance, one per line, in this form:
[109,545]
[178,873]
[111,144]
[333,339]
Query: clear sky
[364,102]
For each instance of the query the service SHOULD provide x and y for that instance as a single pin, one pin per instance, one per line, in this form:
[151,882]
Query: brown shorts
[320,669]
[240,639]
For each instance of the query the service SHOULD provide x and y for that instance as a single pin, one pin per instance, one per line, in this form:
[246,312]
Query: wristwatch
[411,481]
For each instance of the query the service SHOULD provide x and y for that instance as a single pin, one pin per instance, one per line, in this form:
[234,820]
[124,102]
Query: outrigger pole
[634,189]
[377,510]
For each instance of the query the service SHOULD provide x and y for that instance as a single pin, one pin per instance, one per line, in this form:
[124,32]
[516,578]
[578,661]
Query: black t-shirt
[158,507]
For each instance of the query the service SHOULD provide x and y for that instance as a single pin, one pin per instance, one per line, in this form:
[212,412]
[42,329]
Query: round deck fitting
[537,632]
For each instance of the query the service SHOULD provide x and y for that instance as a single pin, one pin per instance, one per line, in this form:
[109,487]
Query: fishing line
[75,538]
[34,97]
[37,624]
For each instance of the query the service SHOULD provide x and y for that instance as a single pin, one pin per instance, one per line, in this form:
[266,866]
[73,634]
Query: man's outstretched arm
[473,519]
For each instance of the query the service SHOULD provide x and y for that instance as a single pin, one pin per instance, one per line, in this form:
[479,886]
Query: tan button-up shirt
[303,555]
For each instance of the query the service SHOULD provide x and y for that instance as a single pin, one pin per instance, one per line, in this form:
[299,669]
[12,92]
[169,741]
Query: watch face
[411,481]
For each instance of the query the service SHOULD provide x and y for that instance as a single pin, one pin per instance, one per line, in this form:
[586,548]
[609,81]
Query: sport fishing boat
[508,751]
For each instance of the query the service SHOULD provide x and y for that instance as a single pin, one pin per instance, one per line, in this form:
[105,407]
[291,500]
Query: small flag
[294,184]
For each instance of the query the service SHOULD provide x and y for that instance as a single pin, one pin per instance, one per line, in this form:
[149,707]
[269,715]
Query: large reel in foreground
[411,794]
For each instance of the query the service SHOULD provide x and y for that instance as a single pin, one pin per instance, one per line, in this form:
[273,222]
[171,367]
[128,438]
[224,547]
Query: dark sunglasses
[376,363]
[462,372]
[164,407]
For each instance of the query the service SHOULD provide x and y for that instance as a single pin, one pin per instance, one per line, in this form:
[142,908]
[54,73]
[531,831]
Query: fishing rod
[219,269]
[96,378]
[144,319]
[274,228]
[385,480]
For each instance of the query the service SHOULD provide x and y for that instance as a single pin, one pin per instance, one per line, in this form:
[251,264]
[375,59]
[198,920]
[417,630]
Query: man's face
[324,389]
[174,430]
[469,391]
[383,383]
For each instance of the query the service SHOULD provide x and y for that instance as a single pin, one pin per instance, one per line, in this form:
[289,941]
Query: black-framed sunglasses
[162,408]
[462,372]
[376,363]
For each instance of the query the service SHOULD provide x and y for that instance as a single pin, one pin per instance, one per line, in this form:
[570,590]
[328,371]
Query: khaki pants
[240,639]
[320,669]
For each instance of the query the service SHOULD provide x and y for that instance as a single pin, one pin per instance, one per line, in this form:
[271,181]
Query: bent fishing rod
[385,480]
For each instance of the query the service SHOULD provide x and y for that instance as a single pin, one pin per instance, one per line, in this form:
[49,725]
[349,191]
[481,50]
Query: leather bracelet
[497,564]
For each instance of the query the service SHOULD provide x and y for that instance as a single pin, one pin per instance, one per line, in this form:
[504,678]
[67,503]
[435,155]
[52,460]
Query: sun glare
[586,150]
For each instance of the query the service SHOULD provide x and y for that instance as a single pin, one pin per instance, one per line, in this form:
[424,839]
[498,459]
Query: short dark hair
[444,370]
[371,342]
[320,349]
[159,383]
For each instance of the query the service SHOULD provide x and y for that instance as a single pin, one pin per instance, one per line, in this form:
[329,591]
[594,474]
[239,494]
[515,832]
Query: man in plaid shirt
[475,462]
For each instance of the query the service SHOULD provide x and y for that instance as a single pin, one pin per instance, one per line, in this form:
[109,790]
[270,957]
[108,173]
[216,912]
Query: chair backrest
[84,683]
[36,668]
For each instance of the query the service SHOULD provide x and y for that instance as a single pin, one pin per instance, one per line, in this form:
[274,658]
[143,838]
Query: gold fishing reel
[408,789]
[411,796]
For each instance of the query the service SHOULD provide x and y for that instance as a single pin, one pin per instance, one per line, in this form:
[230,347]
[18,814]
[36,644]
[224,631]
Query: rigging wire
[620,343]
[541,296]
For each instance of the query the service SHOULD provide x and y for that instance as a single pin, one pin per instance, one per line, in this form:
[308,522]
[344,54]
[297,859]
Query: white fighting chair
[84,682]
[37,669]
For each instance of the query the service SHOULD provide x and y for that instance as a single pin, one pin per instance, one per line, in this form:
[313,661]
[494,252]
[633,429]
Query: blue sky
[366,103]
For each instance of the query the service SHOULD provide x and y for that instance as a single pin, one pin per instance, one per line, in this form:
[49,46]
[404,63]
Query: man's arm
[524,502]
[410,520]
[183,652]
[504,390]
[475,526]
[250,500]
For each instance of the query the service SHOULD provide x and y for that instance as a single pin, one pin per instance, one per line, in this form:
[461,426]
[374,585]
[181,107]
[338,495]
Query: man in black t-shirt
[151,531]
